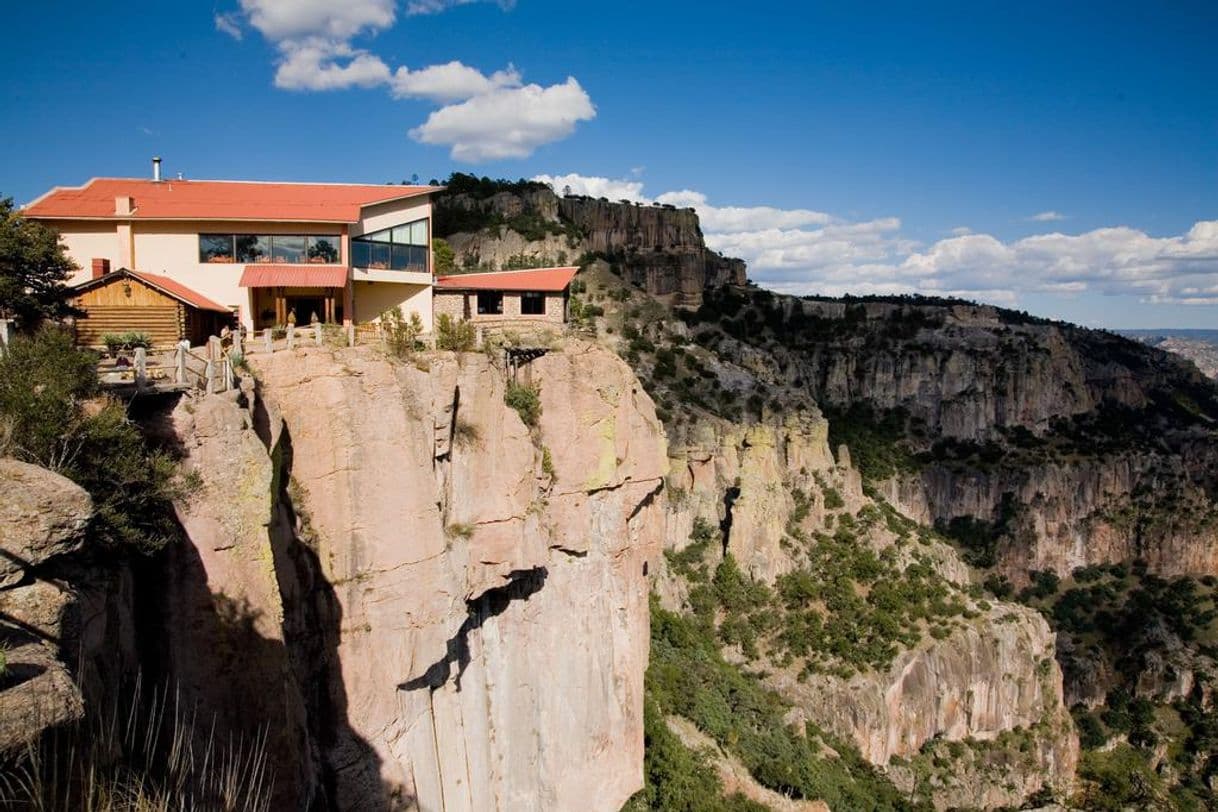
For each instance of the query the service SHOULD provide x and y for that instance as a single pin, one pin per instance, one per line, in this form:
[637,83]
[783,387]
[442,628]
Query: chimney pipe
[101,267]
[156,169]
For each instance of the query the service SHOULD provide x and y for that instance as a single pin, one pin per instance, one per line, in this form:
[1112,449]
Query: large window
[533,304]
[490,303]
[285,248]
[401,248]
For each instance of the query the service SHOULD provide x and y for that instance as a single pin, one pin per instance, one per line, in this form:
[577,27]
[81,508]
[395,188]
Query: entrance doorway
[306,308]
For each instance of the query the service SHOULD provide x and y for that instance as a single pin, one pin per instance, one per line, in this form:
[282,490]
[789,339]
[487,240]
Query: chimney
[124,205]
[101,267]
[156,169]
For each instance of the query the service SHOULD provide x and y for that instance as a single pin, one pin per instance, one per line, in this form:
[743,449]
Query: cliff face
[986,681]
[1076,446]
[442,608]
[657,248]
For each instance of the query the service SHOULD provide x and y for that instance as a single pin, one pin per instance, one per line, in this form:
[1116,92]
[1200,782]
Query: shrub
[526,400]
[44,381]
[401,336]
[458,336]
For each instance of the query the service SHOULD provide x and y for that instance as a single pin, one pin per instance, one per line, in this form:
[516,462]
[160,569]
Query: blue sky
[836,147]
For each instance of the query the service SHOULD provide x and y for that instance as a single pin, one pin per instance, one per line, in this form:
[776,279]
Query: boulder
[42,515]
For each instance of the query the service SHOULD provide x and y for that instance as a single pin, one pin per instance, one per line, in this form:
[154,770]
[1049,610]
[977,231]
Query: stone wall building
[535,295]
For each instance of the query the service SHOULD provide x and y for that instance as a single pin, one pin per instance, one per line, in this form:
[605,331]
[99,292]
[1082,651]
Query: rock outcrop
[67,625]
[442,607]
[659,248]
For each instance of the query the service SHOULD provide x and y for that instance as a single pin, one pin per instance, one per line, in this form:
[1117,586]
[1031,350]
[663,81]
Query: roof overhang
[274,275]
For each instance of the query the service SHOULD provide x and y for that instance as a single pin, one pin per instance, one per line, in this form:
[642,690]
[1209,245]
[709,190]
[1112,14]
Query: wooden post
[238,347]
[141,367]
[213,348]
[269,340]
[291,336]
[227,372]
[6,335]
[477,338]
[209,372]
[317,332]
[179,366]
[350,330]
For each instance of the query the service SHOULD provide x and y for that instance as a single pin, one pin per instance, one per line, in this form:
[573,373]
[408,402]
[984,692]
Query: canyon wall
[990,679]
[440,606]
[658,248]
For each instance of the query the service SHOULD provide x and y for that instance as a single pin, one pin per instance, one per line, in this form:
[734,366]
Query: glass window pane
[401,235]
[532,304]
[490,303]
[361,253]
[418,233]
[215,248]
[379,256]
[323,249]
[288,248]
[252,248]
[377,236]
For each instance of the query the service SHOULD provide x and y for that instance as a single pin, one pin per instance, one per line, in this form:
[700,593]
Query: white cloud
[485,116]
[596,187]
[450,82]
[436,6]
[960,231]
[229,24]
[1047,217]
[803,251]
[508,122]
[279,20]
[321,65]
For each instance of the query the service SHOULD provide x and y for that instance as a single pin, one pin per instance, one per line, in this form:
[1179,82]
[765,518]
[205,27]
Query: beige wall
[86,240]
[374,298]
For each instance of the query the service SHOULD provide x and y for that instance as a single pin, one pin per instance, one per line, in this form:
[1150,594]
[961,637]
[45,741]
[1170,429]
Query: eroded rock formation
[441,607]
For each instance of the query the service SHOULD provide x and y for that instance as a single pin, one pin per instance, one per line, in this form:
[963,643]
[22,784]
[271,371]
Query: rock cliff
[659,248]
[432,604]
[1073,446]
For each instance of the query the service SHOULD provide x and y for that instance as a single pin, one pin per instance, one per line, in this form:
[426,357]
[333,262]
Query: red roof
[164,284]
[538,279]
[218,200]
[274,275]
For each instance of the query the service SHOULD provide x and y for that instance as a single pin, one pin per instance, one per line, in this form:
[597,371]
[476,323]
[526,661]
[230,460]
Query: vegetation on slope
[1143,631]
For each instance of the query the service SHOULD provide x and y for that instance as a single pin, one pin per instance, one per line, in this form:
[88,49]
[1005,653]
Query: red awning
[276,275]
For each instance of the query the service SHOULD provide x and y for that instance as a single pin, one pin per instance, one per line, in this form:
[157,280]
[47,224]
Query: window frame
[268,257]
[533,296]
[490,295]
[409,250]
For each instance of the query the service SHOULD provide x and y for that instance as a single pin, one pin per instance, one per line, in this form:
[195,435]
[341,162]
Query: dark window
[216,248]
[533,304]
[490,303]
[401,248]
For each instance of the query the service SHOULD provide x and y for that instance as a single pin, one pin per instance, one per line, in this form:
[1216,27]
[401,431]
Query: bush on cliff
[45,384]
[526,400]
[689,677]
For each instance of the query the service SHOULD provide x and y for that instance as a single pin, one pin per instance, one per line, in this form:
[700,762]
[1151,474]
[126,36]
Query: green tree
[33,269]
[445,258]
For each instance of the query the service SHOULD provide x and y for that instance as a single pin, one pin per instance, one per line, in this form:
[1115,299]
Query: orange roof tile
[532,279]
[170,287]
[273,275]
[218,200]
